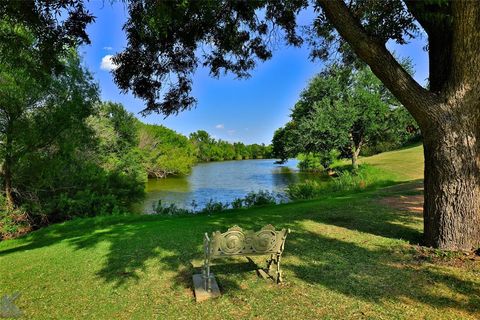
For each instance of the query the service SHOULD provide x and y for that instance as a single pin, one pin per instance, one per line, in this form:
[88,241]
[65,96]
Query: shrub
[346,181]
[14,223]
[317,162]
[172,209]
[237,203]
[259,198]
[308,189]
[310,163]
[214,206]
[252,199]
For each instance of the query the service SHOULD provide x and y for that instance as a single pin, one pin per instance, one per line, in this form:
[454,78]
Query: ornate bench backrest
[237,241]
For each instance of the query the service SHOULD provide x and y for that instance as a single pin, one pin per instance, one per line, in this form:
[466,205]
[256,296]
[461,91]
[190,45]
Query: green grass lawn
[348,257]
[406,164]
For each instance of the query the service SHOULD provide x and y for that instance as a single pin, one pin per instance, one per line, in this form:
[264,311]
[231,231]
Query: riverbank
[350,256]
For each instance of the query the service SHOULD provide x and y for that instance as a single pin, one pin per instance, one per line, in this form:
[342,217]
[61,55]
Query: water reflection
[221,181]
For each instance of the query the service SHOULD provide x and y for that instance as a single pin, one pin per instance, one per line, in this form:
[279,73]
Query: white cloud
[107,63]
[230,132]
[220,126]
[108,48]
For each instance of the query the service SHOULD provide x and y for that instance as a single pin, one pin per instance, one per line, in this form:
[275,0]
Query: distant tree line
[209,149]
[166,152]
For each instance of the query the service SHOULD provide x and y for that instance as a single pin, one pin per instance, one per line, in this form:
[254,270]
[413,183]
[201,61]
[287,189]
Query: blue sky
[247,110]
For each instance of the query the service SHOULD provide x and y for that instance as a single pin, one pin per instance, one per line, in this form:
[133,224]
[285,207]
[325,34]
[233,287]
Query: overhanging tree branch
[429,15]
[416,99]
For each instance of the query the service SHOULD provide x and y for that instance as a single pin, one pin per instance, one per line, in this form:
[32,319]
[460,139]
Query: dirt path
[411,203]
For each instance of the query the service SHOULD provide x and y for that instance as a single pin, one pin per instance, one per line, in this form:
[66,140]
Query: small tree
[344,109]
[34,42]
[31,99]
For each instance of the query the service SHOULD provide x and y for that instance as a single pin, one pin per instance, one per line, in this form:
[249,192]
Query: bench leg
[206,276]
[269,263]
[279,272]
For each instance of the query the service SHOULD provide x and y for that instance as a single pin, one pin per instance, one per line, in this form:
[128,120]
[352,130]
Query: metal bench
[239,242]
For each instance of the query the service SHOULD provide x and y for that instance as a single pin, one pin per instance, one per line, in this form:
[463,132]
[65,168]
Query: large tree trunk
[452,182]
[452,142]
[8,187]
[7,173]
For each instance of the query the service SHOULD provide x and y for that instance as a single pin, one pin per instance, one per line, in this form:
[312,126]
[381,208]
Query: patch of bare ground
[448,258]
[412,202]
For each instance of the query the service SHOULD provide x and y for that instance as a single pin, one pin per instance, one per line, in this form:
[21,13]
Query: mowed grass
[406,164]
[348,257]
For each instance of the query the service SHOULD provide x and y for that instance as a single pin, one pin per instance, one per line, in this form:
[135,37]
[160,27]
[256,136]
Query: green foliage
[259,198]
[255,199]
[345,109]
[91,168]
[209,149]
[213,206]
[366,177]
[170,210]
[237,203]
[57,27]
[308,189]
[164,151]
[14,223]
[310,162]
[317,162]
[73,156]
[252,199]
[280,145]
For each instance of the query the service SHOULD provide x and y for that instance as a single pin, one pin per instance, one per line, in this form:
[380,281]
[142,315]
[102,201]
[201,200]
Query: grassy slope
[406,164]
[348,257]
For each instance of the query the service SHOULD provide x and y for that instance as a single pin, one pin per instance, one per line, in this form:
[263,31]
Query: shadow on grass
[378,274]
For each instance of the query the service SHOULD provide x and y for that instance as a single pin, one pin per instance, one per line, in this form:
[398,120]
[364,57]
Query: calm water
[221,181]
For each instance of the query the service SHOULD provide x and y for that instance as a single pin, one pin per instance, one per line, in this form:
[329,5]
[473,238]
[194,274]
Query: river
[221,181]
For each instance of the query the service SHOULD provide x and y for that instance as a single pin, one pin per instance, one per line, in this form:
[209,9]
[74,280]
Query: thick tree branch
[436,20]
[414,97]
[465,48]
[429,15]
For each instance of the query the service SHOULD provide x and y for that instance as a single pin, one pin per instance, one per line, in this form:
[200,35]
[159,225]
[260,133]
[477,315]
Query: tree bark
[434,19]
[8,188]
[452,183]
[7,173]
[452,143]
[355,150]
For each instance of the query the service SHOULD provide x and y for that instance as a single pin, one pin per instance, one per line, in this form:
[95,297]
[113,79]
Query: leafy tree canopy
[168,40]
[164,151]
[343,108]
[56,25]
